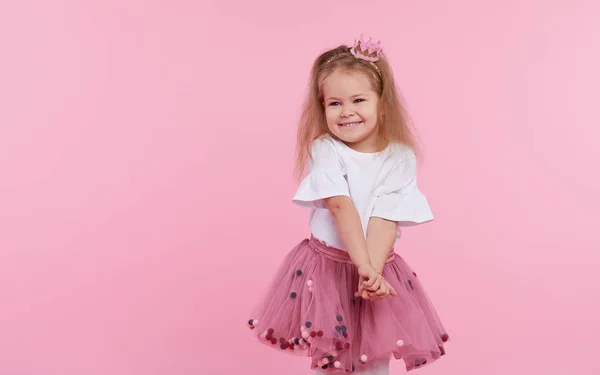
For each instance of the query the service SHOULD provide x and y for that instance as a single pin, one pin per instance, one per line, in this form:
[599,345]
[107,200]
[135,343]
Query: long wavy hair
[393,121]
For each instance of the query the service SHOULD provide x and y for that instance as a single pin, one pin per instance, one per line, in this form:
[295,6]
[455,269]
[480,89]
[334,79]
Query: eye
[358,100]
[332,104]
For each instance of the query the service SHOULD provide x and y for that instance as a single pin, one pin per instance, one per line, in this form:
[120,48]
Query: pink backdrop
[138,186]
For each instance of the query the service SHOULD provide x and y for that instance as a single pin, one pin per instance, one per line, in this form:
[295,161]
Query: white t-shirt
[382,184]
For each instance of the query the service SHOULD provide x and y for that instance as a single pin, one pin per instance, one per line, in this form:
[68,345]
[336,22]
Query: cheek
[371,113]
[331,114]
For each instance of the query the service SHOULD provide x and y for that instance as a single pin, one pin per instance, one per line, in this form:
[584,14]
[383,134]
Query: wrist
[363,265]
[378,266]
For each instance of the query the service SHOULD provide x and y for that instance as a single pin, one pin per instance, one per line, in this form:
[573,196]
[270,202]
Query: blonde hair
[392,118]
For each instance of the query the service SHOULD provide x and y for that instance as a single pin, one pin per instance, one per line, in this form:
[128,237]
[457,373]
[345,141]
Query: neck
[369,144]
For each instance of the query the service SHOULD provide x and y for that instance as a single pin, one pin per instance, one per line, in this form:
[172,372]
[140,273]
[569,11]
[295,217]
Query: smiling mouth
[350,124]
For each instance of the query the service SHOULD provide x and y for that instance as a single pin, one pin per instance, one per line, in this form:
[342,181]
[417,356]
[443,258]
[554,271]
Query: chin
[348,139]
[352,138]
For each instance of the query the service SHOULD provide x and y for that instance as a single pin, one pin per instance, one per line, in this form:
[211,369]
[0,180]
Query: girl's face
[351,110]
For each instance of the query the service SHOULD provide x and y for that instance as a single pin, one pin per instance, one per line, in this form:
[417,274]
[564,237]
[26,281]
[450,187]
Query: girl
[342,296]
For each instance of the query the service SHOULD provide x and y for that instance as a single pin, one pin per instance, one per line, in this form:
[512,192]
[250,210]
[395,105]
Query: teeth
[351,123]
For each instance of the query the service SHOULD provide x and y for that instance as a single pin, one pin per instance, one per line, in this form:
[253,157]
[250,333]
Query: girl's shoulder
[325,144]
[325,140]
[399,152]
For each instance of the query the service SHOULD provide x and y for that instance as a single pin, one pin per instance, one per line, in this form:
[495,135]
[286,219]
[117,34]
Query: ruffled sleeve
[399,199]
[325,178]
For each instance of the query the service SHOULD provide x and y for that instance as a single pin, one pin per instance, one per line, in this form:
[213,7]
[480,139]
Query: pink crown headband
[368,50]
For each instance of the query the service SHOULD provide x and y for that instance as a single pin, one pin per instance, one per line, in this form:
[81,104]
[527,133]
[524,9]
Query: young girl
[342,296]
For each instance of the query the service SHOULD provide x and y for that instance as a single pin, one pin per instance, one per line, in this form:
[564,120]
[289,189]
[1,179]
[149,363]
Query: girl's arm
[349,228]
[381,235]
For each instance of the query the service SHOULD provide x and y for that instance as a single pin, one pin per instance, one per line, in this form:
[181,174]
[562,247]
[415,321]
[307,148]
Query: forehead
[345,84]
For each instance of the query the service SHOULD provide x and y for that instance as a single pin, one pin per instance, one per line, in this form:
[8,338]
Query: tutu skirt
[310,310]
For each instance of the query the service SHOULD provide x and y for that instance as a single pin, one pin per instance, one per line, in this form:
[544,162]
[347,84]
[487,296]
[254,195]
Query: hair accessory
[368,50]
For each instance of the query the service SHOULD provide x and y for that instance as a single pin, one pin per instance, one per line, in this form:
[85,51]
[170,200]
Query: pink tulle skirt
[310,310]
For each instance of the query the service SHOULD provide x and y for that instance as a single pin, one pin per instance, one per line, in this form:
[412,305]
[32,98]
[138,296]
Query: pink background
[138,184]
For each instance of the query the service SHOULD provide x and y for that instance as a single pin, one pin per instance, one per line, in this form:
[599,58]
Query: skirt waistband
[336,254]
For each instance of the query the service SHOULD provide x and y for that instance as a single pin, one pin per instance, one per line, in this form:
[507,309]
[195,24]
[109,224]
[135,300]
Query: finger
[383,289]
[360,287]
[376,284]
[381,292]
[376,294]
[391,290]
[359,291]
[365,294]
[368,282]
[361,281]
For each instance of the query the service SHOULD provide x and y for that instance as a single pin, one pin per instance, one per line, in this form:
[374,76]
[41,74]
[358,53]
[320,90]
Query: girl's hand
[384,290]
[364,293]
[371,279]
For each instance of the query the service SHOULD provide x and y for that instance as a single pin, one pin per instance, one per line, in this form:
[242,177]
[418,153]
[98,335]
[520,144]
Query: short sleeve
[399,198]
[325,178]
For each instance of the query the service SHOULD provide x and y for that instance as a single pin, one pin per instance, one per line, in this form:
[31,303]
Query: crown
[368,50]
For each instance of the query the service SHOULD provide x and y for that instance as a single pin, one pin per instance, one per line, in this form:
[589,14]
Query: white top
[381,184]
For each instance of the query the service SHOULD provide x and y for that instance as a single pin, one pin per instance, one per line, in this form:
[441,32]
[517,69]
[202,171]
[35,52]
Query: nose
[347,111]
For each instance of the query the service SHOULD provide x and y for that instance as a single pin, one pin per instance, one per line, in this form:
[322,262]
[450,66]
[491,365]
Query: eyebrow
[352,97]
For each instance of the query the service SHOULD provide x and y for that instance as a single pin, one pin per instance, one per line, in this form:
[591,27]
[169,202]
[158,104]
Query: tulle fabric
[309,309]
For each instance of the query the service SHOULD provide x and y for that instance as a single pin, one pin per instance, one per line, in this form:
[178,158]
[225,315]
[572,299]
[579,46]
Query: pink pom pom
[325,361]
[399,342]
[305,334]
[363,358]
[310,290]
[309,283]
[254,323]
[337,364]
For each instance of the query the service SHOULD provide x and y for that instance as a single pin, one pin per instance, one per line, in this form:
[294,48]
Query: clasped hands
[372,285]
